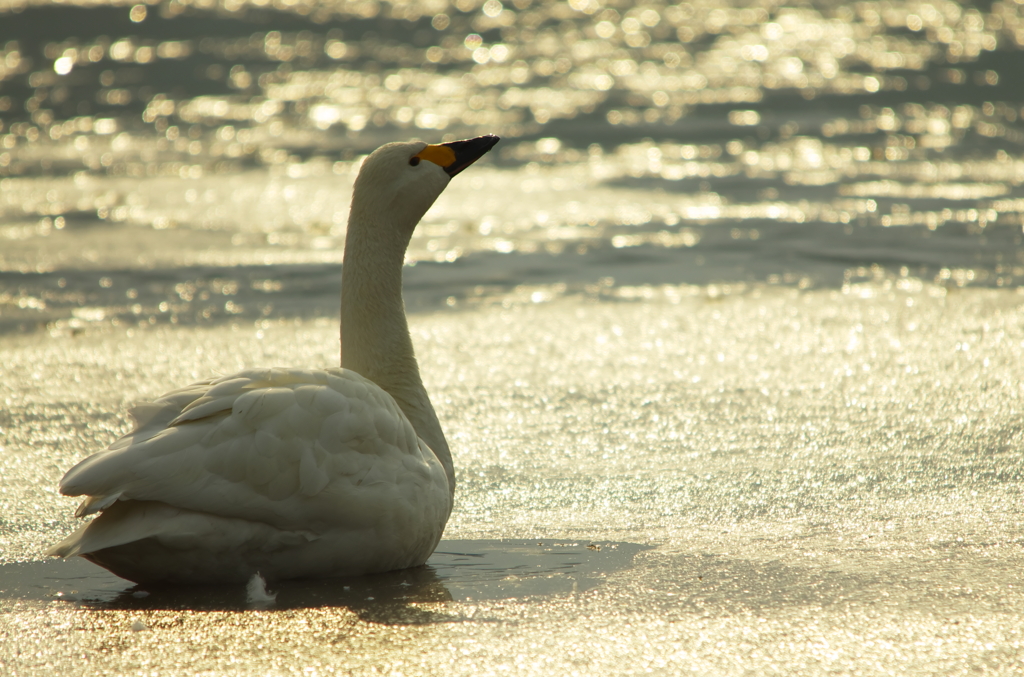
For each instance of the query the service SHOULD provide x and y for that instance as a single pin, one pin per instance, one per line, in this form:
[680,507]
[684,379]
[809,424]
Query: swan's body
[293,473]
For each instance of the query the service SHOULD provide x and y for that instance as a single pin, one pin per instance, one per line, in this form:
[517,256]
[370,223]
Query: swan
[293,473]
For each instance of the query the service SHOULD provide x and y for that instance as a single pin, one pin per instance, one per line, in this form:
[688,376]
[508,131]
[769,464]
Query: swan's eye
[414,161]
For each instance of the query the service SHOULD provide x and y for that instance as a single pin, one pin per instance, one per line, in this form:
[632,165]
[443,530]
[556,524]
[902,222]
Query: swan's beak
[455,156]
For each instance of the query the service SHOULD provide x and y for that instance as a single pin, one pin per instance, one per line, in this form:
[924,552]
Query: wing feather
[286,447]
[262,403]
[230,386]
[203,407]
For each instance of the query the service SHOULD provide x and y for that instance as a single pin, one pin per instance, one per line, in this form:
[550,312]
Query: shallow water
[736,300]
[191,162]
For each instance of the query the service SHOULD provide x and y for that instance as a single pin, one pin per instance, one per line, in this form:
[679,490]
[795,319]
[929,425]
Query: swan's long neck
[374,332]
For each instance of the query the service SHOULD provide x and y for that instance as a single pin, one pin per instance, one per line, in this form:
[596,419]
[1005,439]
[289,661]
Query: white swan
[293,473]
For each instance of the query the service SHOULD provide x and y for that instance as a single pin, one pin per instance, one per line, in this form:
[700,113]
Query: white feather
[256,591]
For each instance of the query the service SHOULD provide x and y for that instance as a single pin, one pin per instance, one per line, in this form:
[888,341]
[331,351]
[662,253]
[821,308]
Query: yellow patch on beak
[442,156]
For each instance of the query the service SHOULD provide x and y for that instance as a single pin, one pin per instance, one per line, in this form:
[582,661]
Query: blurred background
[190,162]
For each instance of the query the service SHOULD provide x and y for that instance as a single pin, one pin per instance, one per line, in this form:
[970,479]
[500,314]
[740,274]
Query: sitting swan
[293,473]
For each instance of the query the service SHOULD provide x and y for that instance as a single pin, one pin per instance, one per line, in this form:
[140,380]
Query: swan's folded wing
[291,448]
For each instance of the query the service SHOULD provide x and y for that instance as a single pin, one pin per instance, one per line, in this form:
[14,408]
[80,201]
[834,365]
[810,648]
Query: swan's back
[313,457]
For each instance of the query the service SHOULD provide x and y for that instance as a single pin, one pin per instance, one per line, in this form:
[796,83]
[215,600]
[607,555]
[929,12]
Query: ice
[829,480]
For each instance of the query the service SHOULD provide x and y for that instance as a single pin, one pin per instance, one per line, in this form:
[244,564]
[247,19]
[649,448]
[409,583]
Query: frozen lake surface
[823,480]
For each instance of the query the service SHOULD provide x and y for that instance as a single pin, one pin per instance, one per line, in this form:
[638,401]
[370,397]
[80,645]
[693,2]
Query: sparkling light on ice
[830,482]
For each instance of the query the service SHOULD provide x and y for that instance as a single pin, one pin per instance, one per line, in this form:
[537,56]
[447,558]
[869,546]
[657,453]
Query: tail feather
[96,503]
[129,521]
[121,522]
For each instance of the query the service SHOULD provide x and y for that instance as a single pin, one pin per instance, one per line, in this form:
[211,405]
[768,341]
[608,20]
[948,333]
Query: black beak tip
[488,141]
[469,151]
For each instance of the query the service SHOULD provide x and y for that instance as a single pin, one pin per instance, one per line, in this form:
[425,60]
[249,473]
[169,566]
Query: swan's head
[400,181]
